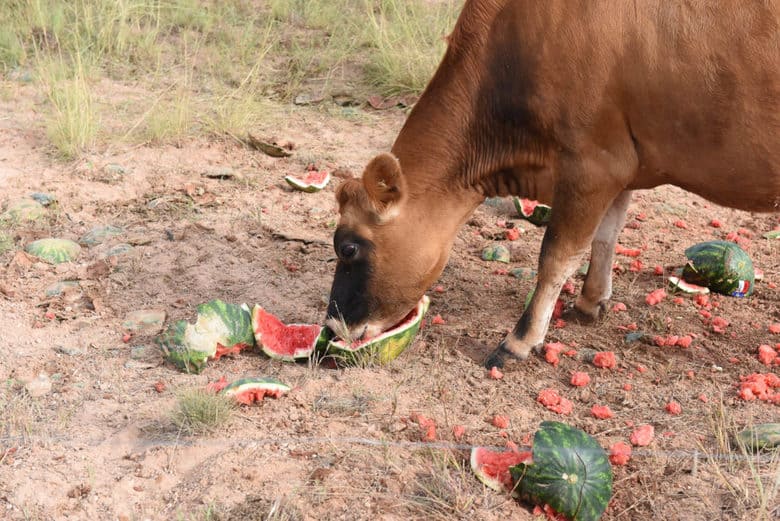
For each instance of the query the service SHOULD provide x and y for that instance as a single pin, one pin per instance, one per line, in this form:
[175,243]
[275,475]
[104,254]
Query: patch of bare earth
[212,219]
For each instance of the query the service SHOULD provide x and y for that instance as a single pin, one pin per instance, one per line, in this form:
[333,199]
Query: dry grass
[200,412]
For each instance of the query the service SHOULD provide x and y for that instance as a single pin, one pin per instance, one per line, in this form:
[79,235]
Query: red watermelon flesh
[251,396]
[315,178]
[281,341]
[528,206]
[492,467]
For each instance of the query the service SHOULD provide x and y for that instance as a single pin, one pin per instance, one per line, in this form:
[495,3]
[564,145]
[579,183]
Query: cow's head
[390,250]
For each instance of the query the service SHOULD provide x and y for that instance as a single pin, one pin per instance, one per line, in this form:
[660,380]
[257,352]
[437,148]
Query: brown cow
[575,104]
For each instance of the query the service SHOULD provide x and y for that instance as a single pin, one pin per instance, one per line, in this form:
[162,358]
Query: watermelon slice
[492,467]
[313,181]
[286,342]
[220,329]
[570,472]
[532,211]
[722,266]
[383,348]
[686,287]
[54,251]
[247,391]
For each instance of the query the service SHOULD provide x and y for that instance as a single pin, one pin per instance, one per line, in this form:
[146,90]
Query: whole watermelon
[722,266]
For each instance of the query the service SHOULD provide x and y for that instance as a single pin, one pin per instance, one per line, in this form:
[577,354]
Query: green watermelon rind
[760,437]
[185,357]
[310,188]
[721,266]
[490,482]
[384,348]
[540,215]
[319,343]
[253,383]
[54,251]
[570,472]
[679,284]
[190,346]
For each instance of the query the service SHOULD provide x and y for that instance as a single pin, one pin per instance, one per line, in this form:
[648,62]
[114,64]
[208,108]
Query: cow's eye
[348,250]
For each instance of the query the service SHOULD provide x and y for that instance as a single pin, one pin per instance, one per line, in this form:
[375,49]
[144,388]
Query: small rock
[40,386]
[63,286]
[137,364]
[113,168]
[99,234]
[224,172]
[307,99]
[139,239]
[70,351]
[144,352]
[148,321]
[116,251]
[43,199]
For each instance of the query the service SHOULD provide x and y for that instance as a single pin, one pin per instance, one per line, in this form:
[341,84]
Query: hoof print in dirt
[288,342]
[566,470]
[721,266]
[532,211]
[384,348]
[54,251]
[312,182]
[247,391]
[220,329]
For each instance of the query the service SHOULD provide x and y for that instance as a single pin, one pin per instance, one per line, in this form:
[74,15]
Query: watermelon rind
[23,210]
[760,437]
[383,348]
[54,251]
[541,212]
[722,266]
[303,186]
[679,284]
[570,472]
[481,457]
[300,353]
[252,383]
[219,325]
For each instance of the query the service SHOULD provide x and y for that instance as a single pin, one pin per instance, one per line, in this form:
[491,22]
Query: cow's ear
[384,183]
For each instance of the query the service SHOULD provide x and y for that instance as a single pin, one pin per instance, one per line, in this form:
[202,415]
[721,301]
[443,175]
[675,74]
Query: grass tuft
[199,411]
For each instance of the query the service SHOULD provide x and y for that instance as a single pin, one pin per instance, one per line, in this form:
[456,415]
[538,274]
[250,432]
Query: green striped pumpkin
[570,472]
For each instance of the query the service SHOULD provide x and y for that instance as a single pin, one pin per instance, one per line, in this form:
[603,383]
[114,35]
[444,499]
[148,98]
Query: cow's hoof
[503,356]
[586,317]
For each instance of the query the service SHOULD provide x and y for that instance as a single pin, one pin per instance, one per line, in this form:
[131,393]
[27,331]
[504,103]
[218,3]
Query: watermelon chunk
[220,329]
[532,211]
[288,342]
[722,266]
[387,346]
[679,284]
[492,466]
[314,181]
[761,436]
[247,391]
[570,472]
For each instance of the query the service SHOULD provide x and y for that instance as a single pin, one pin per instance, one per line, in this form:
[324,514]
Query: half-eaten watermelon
[570,472]
[492,466]
[314,181]
[287,342]
[722,266]
[220,329]
[532,211]
[679,284]
[247,391]
[383,348]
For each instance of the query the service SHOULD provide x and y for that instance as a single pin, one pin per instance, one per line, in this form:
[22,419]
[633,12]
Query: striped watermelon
[220,329]
[250,390]
[286,342]
[722,266]
[314,181]
[54,251]
[384,348]
[532,211]
[761,436]
[570,472]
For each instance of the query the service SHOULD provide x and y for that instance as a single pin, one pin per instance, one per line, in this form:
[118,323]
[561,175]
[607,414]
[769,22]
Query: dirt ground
[213,219]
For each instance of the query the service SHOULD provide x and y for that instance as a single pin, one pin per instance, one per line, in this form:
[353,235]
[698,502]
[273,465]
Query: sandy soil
[100,444]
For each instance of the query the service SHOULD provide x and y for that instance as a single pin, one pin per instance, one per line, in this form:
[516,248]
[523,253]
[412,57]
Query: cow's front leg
[597,289]
[572,225]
